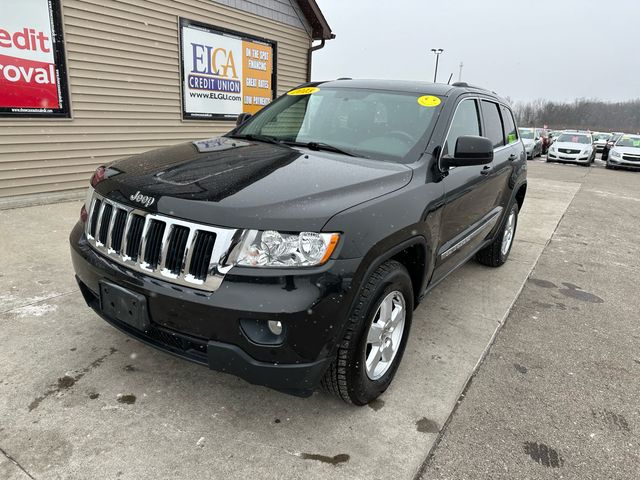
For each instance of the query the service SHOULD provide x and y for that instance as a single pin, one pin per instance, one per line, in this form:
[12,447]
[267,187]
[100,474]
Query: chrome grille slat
[99,224]
[112,221]
[182,251]
[127,226]
[143,247]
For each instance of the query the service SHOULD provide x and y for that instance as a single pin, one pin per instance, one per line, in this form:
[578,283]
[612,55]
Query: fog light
[275,327]
[263,332]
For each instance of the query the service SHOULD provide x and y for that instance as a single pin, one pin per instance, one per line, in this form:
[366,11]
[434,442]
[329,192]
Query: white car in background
[573,146]
[625,153]
[600,139]
[532,142]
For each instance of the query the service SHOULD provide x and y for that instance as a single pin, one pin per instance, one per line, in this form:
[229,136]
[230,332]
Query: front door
[468,213]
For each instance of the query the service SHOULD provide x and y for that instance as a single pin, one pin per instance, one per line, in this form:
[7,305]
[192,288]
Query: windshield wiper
[317,146]
[257,138]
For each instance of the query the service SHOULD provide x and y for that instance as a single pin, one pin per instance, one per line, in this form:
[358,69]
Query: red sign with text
[29,59]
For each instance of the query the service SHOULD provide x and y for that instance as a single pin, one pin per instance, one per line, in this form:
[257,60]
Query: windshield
[603,136]
[368,123]
[574,138]
[629,141]
[525,133]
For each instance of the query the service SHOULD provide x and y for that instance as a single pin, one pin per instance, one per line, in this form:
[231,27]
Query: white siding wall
[124,80]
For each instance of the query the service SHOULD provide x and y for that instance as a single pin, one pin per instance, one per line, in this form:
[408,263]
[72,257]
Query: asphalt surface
[558,396]
[80,400]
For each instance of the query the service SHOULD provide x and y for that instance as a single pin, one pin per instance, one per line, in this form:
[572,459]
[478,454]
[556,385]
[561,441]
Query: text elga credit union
[224,74]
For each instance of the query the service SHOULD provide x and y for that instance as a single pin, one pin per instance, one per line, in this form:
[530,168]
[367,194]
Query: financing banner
[224,73]
[32,68]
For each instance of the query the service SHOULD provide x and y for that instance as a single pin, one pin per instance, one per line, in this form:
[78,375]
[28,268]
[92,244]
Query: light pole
[438,52]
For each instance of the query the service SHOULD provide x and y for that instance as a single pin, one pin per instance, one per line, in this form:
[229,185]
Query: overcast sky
[552,49]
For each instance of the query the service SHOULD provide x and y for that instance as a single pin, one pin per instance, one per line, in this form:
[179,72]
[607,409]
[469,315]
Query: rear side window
[493,123]
[465,122]
[510,130]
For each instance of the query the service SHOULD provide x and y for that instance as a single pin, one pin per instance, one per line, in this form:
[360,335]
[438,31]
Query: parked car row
[619,150]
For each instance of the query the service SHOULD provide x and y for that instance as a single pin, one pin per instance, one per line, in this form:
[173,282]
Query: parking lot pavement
[558,395]
[80,400]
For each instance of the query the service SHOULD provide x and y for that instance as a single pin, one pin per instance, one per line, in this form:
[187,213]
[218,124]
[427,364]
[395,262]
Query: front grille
[176,251]
[153,243]
[134,237]
[631,158]
[118,229]
[568,150]
[201,254]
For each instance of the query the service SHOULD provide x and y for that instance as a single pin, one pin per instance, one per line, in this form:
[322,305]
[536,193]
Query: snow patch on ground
[37,310]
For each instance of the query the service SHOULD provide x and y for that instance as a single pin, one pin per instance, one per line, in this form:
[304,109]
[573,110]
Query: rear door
[469,196]
[501,130]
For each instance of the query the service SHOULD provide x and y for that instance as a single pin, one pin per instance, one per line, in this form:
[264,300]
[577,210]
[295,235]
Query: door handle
[513,156]
[486,170]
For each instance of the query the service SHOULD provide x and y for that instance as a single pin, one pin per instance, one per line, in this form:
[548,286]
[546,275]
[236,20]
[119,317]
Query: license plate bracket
[124,305]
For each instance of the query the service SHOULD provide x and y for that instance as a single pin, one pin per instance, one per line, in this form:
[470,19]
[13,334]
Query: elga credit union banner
[32,72]
[224,73]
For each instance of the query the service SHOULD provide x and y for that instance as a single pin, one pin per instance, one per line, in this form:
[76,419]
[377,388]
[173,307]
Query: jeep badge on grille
[143,199]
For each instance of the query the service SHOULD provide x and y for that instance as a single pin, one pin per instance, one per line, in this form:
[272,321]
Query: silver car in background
[625,153]
[532,142]
[573,146]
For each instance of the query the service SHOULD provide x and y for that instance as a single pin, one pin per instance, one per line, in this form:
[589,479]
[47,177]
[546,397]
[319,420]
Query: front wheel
[371,350]
[497,252]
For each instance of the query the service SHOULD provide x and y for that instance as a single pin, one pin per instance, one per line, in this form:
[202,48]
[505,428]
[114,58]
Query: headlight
[276,249]
[614,153]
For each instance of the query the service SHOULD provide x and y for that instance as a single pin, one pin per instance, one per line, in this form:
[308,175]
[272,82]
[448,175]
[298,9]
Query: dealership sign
[32,70]
[224,73]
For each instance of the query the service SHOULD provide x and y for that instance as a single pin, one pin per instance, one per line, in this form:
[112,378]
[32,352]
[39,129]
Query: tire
[608,167]
[348,376]
[493,255]
[547,159]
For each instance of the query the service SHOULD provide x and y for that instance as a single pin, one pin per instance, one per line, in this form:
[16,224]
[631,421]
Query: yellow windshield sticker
[429,101]
[304,91]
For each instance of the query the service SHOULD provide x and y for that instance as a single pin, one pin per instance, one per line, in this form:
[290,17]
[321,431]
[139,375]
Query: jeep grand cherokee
[293,251]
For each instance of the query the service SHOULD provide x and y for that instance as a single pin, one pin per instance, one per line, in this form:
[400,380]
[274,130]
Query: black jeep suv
[292,251]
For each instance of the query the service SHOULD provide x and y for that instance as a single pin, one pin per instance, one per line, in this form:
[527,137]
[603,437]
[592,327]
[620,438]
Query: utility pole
[460,74]
[438,52]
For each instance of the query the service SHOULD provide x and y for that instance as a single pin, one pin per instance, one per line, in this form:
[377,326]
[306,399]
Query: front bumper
[207,328]
[568,157]
[622,163]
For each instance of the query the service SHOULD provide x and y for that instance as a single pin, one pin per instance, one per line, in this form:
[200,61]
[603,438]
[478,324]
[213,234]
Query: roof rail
[466,85]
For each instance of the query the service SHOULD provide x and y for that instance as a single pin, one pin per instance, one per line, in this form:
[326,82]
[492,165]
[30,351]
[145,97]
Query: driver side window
[466,121]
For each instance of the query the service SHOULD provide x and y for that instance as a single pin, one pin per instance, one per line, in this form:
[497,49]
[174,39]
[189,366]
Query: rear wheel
[496,253]
[376,336]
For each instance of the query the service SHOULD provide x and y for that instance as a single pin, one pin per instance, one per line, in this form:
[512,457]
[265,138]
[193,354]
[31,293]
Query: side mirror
[470,150]
[243,117]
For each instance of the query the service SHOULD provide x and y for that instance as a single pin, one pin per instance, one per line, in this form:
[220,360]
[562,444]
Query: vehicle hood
[628,150]
[572,146]
[243,184]
[528,141]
